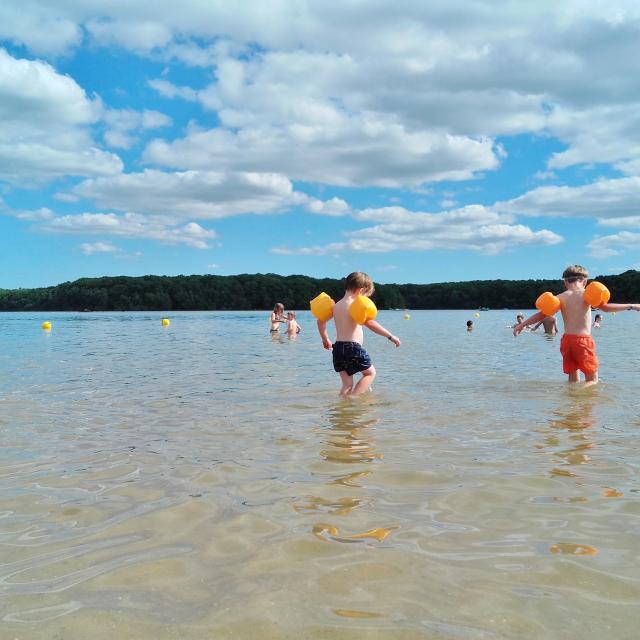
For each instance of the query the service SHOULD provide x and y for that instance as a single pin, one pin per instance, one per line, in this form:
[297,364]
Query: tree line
[262,291]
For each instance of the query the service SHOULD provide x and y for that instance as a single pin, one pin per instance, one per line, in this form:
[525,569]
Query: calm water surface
[203,480]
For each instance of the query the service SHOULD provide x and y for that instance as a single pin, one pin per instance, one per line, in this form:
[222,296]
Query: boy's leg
[574,376]
[368,375]
[347,383]
[591,378]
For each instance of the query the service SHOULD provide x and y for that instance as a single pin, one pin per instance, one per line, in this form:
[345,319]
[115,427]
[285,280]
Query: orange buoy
[548,304]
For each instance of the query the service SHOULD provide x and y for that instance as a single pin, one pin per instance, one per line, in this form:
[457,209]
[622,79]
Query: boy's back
[347,329]
[576,313]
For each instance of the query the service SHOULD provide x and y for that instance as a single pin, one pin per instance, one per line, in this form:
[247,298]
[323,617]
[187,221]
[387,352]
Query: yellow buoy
[46,325]
[407,316]
[476,315]
[165,322]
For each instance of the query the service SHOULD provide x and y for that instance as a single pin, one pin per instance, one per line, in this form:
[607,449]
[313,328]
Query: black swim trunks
[350,357]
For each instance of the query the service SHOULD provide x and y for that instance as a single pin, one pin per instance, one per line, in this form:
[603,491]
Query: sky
[419,142]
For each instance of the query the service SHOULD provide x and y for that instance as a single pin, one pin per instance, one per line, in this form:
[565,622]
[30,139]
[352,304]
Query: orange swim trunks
[578,352]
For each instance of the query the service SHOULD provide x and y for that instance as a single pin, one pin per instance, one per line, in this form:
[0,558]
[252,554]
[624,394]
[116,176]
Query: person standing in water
[577,347]
[349,356]
[550,325]
[277,317]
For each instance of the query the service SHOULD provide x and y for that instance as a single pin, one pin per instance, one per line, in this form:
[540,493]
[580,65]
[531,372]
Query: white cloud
[473,228]
[45,125]
[355,151]
[617,198]
[38,214]
[629,221]
[170,90]
[130,225]
[454,76]
[131,33]
[89,248]
[600,134]
[193,194]
[123,123]
[333,207]
[38,27]
[614,245]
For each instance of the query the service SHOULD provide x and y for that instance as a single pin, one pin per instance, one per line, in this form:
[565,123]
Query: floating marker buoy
[165,322]
[46,325]
[476,315]
[407,316]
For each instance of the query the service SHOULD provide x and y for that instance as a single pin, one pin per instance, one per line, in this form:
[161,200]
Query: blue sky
[417,143]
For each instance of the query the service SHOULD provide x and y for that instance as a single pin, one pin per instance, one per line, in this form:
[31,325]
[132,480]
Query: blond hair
[359,280]
[575,272]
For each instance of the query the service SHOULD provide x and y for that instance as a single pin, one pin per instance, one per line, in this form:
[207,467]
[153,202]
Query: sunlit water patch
[204,480]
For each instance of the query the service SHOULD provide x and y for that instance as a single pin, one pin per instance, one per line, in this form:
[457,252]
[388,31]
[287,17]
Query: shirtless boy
[349,357]
[293,328]
[577,346]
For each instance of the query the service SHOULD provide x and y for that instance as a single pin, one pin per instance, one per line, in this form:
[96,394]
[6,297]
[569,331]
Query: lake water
[203,480]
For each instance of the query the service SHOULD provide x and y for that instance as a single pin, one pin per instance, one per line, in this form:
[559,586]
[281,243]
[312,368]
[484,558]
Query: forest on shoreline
[262,291]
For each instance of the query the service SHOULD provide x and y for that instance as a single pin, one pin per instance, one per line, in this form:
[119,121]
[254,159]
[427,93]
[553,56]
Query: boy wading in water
[349,357]
[577,346]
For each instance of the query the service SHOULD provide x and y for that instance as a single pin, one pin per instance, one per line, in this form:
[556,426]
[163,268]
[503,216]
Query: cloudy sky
[421,142]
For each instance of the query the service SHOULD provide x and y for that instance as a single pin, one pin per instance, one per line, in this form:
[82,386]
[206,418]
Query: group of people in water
[279,317]
[355,310]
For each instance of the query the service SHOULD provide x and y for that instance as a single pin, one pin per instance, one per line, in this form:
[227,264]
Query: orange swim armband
[362,309]
[596,294]
[548,304]
[322,307]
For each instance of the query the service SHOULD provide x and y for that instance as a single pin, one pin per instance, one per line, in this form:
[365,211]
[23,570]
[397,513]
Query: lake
[203,480]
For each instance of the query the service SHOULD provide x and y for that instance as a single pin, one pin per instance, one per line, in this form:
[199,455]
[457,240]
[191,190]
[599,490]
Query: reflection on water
[203,480]
[569,438]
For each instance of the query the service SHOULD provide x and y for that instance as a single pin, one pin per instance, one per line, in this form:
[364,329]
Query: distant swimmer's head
[291,315]
[279,308]
[359,280]
[575,273]
[520,317]
[469,325]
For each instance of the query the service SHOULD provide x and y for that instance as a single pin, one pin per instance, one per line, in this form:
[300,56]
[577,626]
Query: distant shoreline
[257,292]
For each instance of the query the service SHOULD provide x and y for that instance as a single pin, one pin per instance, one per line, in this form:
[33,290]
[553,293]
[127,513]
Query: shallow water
[204,481]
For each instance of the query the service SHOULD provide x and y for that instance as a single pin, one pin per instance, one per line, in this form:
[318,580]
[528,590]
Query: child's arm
[322,330]
[376,327]
[537,325]
[615,306]
[536,317]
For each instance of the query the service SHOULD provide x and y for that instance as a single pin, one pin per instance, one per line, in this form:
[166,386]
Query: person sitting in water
[277,317]
[597,321]
[293,328]
[550,325]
